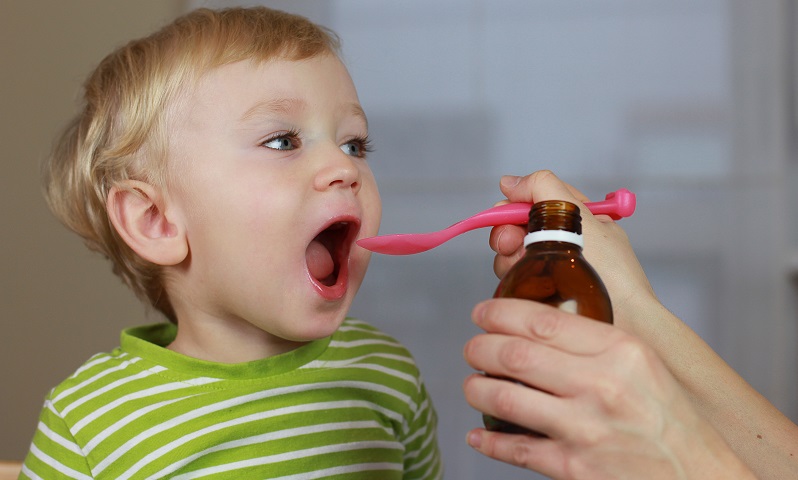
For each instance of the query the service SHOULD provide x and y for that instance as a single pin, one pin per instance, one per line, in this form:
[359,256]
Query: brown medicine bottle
[553,271]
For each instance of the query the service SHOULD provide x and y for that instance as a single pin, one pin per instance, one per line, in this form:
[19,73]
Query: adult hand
[609,407]
[607,247]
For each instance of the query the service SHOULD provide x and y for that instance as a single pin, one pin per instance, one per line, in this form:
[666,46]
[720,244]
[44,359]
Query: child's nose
[339,171]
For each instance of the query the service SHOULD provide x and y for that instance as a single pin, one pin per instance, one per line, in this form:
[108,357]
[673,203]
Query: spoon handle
[618,204]
[507,214]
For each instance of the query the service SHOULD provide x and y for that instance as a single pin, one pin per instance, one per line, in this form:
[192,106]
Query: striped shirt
[349,406]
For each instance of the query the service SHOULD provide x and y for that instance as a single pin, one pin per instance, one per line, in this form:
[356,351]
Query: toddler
[220,164]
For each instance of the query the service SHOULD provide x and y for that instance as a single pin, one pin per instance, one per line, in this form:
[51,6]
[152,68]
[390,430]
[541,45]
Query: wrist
[709,457]
[640,313]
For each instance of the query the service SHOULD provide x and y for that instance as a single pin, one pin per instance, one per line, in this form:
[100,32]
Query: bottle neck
[554,220]
[554,236]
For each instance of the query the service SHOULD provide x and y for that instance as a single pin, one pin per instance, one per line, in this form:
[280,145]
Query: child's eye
[282,141]
[358,147]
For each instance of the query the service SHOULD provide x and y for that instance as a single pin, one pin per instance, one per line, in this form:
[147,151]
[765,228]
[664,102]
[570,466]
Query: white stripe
[355,321]
[57,438]
[134,396]
[426,461]
[70,391]
[370,331]
[388,371]
[410,439]
[163,451]
[429,422]
[414,407]
[56,465]
[93,361]
[111,386]
[200,381]
[554,236]
[362,342]
[271,436]
[431,460]
[92,444]
[310,452]
[349,361]
[374,387]
[425,407]
[51,407]
[328,472]
[27,471]
[194,414]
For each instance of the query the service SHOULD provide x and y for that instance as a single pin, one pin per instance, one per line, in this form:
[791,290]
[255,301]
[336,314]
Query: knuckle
[591,434]
[500,265]
[609,393]
[614,388]
[488,444]
[516,356]
[545,325]
[633,353]
[475,350]
[505,404]
[520,454]
[540,176]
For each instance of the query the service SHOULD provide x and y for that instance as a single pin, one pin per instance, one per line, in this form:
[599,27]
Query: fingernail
[499,238]
[499,244]
[474,439]
[510,181]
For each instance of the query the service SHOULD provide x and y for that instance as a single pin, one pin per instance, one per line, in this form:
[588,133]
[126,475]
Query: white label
[554,235]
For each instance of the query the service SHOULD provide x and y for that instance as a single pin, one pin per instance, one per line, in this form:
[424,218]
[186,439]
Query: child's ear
[137,212]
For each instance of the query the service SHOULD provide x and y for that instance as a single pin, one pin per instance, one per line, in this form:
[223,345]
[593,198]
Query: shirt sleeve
[422,458]
[54,453]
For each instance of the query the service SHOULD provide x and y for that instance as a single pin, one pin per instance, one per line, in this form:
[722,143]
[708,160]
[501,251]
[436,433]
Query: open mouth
[327,255]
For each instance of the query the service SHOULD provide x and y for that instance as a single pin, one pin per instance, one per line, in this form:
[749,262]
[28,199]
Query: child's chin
[322,327]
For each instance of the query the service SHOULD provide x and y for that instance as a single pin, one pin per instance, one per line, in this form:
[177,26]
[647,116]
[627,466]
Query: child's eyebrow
[274,106]
[267,108]
[358,111]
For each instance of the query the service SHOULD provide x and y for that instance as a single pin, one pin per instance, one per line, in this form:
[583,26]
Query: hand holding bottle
[608,406]
[647,339]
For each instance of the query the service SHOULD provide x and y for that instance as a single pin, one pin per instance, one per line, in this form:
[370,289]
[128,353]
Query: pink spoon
[617,205]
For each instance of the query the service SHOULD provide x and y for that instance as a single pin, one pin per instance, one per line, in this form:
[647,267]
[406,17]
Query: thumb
[539,186]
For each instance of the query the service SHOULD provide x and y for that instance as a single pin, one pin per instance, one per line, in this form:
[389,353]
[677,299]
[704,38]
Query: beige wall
[59,303]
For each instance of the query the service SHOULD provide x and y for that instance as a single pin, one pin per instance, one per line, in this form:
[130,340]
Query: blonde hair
[121,131]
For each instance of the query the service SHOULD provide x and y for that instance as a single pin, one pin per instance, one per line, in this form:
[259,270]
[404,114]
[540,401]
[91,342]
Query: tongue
[320,262]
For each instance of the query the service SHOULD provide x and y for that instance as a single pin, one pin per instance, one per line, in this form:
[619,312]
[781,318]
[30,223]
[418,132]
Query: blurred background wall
[691,104]
[59,303]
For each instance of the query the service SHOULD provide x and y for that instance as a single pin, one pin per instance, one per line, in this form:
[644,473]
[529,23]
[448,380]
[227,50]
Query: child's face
[269,176]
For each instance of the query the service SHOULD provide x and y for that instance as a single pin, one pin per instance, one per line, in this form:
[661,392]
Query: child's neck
[234,342]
